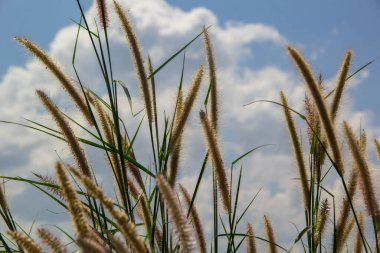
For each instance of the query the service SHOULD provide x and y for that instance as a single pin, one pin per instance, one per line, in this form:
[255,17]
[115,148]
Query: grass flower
[200,237]
[137,58]
[213,80]
[321,106]
[25,242]
[270,235]
[217,161]
[187,105]
[57,72]
[297,151]
[251,245]
[182,229]
[70,138]
[51,241]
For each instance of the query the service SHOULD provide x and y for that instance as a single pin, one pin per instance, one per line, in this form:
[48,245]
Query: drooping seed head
[321,106]
[217,161]
[68,133]
[137,58]
[182,229]
[58,73]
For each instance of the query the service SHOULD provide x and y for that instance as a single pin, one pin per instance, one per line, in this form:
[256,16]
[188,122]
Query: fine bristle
[213,80]
[321,106]
[25,242]
[250,241]
[365,181]
[201,241]
[187,105]
[182,228]
[270,235]
[137,58]
[75,206]
[340,85]
[57,72]
[70,138]
[297,151]
[51,241]
[321,223]
[126,226]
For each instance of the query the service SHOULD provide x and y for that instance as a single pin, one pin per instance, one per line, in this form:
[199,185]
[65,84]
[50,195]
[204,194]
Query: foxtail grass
[321,106]
[71,139]
[341,84]
[57,72]
[298,152]
[183,231]
[137,58]
[217,161]
[50,240]
[75,205]
[25,242]
[198,228]
[187,106]
[213,79]
[251,244]
[270,235]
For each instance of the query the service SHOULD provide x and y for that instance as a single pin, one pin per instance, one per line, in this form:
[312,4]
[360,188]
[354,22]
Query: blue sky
[249,39]
[324,28]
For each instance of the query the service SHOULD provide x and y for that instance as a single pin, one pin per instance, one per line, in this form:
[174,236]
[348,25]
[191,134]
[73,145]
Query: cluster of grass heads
[146,214]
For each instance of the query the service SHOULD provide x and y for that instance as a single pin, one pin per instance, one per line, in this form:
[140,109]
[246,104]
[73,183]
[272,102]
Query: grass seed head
[58,73]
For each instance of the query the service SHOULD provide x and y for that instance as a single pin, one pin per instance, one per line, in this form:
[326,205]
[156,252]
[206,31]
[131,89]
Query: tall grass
[146,214]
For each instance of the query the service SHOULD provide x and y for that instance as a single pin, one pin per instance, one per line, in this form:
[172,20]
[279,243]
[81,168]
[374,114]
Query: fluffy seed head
[51,241]
[297,151]
[3,199]
[188,104]
[25,242]
[101,7]
[137,58]
[366,184]
[213,80]
[270,235]
[341,84]
[217,161]
[70,138]
[57,72]
[321,106]
[182,229]
[196,221]
[89,245]
[75,206]
[251,245]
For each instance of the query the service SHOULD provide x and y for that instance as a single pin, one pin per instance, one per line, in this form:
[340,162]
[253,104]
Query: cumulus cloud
[162,29]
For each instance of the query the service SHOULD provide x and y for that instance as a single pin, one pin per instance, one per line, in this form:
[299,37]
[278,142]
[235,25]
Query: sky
[249,39]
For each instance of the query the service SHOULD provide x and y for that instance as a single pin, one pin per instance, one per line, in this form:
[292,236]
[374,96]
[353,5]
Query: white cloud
[162,29]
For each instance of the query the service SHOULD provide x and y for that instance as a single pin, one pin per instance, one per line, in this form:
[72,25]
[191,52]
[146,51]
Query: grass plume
[57,72]
[137,58]
[25,242]
[213,80]
[251,245]
[187,105]
[51,241]
[297,151]
[366,184]
[319,101]
[270,235]
[70,138]
[201,241]
[183,230]
[217,161]
[341,84]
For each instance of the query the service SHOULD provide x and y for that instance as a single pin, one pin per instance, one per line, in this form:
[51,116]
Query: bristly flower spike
[57,72]
[321,106]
